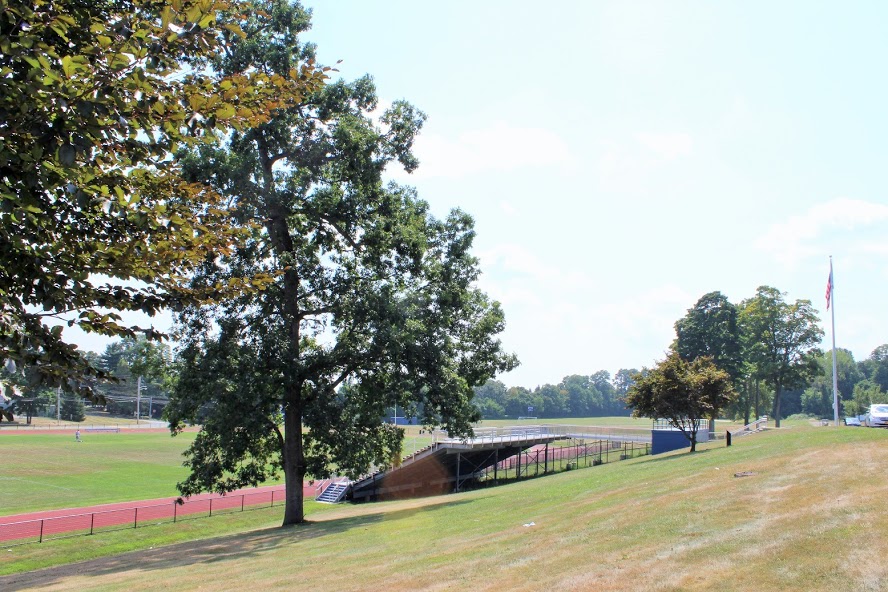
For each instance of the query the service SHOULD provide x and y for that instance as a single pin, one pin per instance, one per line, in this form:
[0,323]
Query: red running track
[38,526]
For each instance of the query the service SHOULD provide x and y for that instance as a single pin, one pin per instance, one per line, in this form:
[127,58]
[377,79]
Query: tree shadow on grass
[233,547]
[656,458]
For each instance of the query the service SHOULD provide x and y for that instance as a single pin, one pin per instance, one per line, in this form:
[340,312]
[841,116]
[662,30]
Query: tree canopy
[682,392]
[710,328]
[373,301]
[95,217]
[781,341]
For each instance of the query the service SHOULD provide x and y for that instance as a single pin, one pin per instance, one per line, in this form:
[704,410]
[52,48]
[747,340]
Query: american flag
[829,287]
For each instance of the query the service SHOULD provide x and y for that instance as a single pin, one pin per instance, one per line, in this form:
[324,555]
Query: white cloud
[514,258]
[667,146]
[507,208]
[561,321]
[641,162]
[873,247]
[823,226]
[499,147]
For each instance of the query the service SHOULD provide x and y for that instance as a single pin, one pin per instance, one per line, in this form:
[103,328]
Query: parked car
[852,421]
[877,416]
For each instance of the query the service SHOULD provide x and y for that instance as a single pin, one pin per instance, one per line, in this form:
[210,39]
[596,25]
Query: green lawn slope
[794,509]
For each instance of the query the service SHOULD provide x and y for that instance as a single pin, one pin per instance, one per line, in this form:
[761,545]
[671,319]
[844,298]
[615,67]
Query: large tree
[682,392]
[782,340]
[710,328]
[623,380]
[373,302]
[94,215]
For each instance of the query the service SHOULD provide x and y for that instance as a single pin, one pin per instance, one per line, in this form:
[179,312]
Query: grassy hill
[795,509]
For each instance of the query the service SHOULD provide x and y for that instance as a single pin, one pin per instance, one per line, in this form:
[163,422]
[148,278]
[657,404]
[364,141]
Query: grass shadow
[232,547]
[655,458]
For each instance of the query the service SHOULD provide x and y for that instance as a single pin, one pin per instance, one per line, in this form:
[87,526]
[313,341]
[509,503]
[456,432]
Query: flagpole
[835,381]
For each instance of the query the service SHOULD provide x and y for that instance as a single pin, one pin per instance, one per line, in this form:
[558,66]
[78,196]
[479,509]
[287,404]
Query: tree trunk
[747,388]
[777,390]
[757,415]
[293,454]
[294,465]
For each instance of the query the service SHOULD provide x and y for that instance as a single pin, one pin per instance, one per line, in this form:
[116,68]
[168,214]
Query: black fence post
[272,498]
[496,465]
[92,522]
[41,531]
[243,495]
[211,508]
[175,508]
[136,518]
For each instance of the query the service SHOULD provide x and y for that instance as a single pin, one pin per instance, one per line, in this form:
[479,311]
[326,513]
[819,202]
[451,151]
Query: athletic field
[792,509]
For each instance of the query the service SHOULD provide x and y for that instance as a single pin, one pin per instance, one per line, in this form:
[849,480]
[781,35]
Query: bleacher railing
[523,433]
[751,428]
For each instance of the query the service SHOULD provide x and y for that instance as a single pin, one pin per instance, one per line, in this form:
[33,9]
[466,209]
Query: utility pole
[138,398]
[59,405]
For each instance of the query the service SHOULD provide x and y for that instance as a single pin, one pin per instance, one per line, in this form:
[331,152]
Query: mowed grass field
[794,509]
[52,471]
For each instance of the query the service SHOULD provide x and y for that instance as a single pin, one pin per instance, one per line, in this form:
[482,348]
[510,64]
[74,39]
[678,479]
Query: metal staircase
[333,493]
[752,428]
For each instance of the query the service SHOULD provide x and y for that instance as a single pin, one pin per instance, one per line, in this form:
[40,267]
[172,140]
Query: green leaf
[166,16]
[226,111]
[67,154]
[236,30]
[67,66]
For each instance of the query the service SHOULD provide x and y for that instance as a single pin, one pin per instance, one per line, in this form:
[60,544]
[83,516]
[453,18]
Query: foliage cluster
[72,409]
[769,347]
[860,384]
[95,216]
[765,339]
[575,396]
[127,361]
[682,392]
[373,301]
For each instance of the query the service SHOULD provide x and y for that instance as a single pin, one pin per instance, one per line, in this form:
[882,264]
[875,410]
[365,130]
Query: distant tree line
[575,396]
[121,363]
[860,384]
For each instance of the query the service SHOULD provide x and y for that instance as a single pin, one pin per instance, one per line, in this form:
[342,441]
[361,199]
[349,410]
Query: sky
[621,159]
